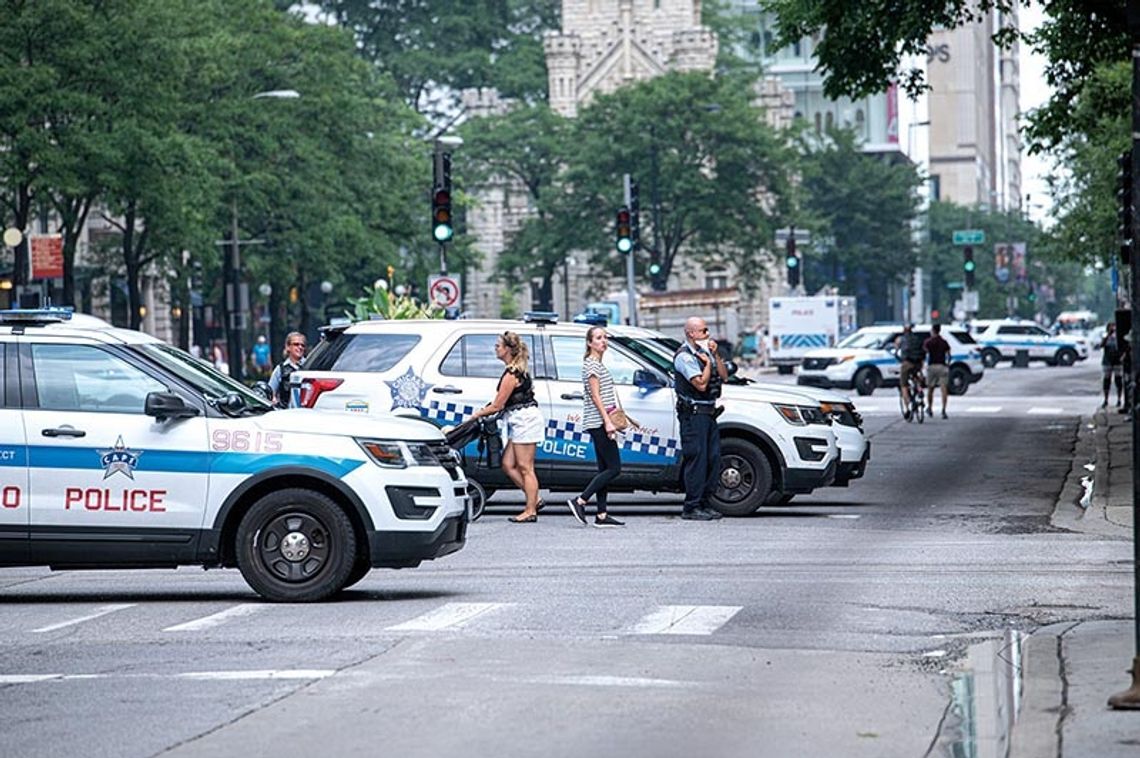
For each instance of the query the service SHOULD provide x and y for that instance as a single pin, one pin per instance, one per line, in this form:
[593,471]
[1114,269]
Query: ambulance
[120,451]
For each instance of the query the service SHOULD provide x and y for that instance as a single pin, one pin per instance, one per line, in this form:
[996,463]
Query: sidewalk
[1071,669]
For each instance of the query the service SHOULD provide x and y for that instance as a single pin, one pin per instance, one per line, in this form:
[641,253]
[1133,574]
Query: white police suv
[865,360]
[847,424]
[1001,339]
[772,443]
[120,451]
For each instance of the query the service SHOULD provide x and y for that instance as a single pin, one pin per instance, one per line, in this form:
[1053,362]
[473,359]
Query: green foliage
[862,205]
[713,175]
[380,301]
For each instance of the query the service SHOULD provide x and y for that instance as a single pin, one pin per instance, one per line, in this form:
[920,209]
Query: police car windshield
[212,383]
[863,339]
[649,350]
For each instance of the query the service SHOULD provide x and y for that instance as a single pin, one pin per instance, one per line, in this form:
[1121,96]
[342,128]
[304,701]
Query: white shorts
[525,426]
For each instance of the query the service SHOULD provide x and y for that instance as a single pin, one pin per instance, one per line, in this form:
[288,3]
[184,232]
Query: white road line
[216,619]
[27,678]
[1040,411]
[233,676]
[101,611]
[982,409]
[685,619]
[446,617]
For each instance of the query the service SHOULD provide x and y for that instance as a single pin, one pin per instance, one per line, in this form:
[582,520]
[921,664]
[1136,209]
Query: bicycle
[916,387]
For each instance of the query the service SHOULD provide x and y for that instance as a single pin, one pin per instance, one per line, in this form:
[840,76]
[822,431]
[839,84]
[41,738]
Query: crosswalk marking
[685,619]
[446,617]
[982,409]
[216,619]
[98,612]
[1040,411]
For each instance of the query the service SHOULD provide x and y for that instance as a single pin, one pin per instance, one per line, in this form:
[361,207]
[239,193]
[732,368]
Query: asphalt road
[851,622]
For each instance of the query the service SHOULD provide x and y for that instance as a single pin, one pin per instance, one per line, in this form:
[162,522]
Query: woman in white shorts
[525,424]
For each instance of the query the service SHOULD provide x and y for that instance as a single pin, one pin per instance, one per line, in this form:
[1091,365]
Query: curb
[1091,447]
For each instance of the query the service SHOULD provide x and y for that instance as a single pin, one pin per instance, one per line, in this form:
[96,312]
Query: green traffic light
[624,244]
[654,269]
[793,261]
[441,232]
[968,265]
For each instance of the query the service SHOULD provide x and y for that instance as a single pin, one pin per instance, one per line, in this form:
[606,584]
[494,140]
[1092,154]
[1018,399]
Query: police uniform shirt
[689,366]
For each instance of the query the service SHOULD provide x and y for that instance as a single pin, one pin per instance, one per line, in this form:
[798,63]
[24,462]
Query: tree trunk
[73,215]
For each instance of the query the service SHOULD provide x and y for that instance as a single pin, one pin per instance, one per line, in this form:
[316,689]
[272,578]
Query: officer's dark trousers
[700,466]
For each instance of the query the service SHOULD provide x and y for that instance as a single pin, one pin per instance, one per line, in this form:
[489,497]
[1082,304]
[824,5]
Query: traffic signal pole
[627,196]
[1130,699]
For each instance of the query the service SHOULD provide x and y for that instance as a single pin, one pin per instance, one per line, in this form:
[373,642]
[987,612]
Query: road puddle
[986,697]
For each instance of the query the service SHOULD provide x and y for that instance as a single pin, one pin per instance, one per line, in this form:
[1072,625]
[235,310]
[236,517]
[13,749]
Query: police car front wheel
[745,478]
[296,546]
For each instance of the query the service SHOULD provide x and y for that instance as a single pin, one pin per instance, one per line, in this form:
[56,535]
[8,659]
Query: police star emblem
[119,460]
[408,390]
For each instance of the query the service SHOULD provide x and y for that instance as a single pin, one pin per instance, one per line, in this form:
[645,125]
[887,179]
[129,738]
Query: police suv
[847,424]
[1001,339]
[772,442]
[865,360]
[120,451]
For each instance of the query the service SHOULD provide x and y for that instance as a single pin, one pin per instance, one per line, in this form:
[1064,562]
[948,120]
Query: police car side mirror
[163,405]
[263,389]
[647,379]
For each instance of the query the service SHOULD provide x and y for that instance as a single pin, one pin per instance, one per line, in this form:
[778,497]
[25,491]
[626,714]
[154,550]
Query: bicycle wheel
[919,411]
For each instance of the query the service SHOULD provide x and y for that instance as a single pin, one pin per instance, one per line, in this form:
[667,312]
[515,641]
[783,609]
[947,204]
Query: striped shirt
[591,417]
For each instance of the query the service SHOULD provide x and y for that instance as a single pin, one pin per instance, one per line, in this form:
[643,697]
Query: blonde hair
[520,355]
[590,336]
[289,338]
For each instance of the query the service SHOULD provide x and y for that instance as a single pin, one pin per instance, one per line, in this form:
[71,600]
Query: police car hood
[811,393]
[353,425]
[768,393]
[840,352]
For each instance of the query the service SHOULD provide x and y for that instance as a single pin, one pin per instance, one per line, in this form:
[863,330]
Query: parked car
[120,451]
[772,442]
[1001,339]
[865,360]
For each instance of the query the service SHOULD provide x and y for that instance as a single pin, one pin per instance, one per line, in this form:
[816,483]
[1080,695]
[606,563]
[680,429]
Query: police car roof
[75,325]
[449,325]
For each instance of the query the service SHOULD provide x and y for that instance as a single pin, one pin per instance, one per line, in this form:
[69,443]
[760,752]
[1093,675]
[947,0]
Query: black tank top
[523,394]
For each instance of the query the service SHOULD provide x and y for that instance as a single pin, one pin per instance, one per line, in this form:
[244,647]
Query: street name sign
[968,236]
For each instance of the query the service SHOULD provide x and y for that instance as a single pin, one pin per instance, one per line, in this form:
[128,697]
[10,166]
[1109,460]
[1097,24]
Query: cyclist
[910,353]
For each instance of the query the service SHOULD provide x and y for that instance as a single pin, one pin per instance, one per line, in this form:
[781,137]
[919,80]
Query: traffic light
[624,240]
[793,263]
[1124,205]
[968,266]
[634,215]
[1031,295]
[442,228]
[935,314]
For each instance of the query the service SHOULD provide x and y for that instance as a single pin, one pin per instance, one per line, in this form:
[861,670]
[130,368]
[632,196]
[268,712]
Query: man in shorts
[910,355]
[937,351]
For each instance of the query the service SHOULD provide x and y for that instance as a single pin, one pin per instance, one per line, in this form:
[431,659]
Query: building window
[716,279]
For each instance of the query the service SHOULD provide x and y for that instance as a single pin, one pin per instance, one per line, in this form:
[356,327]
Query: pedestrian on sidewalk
[937,350]
[514,398]
[698,373]
[1111,365]
[598,402]
[294,356]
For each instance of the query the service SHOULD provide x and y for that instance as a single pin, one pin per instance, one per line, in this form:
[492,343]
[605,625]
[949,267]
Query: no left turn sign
[443,291]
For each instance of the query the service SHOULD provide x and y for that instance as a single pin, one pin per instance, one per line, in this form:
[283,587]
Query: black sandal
[523,519]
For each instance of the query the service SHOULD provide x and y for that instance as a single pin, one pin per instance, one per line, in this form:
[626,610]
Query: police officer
[294,355]
[698,373]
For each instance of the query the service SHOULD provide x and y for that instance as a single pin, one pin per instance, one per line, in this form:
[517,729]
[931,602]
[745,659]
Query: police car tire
[1066,356]
[328,537]
[866,380]
[990,357]
[756,474]
[959,380]
[360,570]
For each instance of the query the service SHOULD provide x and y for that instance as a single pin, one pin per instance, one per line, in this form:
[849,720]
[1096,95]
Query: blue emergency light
[52,315]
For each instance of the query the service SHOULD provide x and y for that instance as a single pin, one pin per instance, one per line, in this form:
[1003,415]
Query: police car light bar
[540,317]
[35,315]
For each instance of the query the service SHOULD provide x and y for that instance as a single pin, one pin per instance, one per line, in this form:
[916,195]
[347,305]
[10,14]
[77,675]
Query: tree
[863,207]
[713,175]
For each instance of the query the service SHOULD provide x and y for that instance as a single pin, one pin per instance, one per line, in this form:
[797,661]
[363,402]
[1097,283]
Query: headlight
[399,454]
[801,415]
[841,413]
[844,358]
[387,453]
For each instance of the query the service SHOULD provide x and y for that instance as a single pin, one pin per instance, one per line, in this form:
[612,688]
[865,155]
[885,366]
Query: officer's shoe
[700,514]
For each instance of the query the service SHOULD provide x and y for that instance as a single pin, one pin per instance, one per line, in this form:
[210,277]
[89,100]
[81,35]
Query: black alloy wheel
[745,478]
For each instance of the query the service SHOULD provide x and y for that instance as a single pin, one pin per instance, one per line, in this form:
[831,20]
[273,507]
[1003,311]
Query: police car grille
[443,454]
[817,363]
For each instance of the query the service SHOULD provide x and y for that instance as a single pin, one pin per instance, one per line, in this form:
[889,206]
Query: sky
[1034,92]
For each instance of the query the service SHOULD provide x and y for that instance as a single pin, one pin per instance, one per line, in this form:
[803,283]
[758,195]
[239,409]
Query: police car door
[645,452]
[107,481]
[1041,343]
[13,463]
[461,377]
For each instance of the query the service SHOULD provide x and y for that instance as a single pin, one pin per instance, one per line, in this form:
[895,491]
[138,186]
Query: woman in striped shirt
[599,401]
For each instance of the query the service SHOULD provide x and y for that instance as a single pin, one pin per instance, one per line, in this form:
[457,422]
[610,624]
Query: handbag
[622,420]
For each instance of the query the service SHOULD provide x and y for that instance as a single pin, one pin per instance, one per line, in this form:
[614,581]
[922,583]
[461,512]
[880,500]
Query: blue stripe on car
[187,462]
